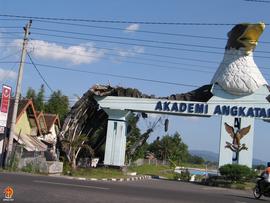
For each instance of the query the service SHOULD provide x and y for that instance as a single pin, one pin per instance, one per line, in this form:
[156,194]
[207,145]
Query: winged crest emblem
[236,146]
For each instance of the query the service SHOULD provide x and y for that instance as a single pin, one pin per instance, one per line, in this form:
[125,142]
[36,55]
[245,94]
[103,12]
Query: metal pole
[18,91]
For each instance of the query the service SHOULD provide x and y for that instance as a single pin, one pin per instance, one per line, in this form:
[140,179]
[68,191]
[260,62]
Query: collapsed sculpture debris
[86,118]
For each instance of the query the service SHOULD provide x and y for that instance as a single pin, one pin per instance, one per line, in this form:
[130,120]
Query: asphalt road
[35,188]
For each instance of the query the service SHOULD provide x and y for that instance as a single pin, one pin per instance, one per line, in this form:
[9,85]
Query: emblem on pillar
[236,133]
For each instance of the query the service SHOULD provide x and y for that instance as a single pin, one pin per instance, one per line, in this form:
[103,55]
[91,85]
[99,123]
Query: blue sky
[183,54]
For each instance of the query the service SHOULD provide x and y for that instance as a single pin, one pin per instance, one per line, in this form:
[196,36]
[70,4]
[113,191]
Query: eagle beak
[251,36]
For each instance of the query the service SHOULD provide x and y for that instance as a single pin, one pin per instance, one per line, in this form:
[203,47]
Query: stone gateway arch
[238,93]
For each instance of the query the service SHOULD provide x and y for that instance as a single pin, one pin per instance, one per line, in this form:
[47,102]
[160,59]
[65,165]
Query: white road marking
[68,184]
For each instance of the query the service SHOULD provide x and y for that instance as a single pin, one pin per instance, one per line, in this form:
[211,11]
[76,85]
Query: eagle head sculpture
[238,74]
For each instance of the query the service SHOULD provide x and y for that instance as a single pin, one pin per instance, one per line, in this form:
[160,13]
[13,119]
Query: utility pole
[18,92]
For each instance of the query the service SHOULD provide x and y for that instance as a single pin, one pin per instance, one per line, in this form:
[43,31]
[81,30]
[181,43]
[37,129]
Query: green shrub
[236,172]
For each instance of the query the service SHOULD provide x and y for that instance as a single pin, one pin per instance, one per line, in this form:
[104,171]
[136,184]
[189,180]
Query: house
[36,131]
[37,143]
[53,126]
[27,128]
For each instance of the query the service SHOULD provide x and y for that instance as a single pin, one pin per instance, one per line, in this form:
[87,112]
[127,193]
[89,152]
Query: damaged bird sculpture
[238,74]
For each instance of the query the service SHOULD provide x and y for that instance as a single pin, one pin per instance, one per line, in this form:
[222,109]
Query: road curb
[135,178]
[145,177]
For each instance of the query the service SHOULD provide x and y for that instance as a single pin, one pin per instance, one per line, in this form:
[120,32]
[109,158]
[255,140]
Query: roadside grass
[147,169]
[98,173]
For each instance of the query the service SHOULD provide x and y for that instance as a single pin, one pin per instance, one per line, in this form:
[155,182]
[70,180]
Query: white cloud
[77,54]
[132,28]
[7,74]
[130,52]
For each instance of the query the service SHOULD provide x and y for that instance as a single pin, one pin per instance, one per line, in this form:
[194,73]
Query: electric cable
[144,53]
[113,75]
[129,39]
[116,21]
[39,73]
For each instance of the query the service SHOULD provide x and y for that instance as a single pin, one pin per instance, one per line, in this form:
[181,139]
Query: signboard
[202,108]
[5,100]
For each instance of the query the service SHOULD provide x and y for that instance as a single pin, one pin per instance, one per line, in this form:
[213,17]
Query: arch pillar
[244,154]
[116,137]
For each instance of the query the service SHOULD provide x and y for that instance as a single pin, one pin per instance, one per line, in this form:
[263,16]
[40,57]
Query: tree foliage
[31,94]
[39,100]
[236,172]
[170,148]
[58,104]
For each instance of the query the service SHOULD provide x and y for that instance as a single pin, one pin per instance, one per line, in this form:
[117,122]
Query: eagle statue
[238,74]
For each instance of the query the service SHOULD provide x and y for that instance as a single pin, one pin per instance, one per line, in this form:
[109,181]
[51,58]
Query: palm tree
[74,146]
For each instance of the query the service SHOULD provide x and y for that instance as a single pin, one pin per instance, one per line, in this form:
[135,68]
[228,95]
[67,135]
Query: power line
[6,32]
[168,67]
[146,59]
[126,43]
[39,73]
[1,37]
[165,66]
[111,75]
[157,47]
[9,55]
[139,40]
[114,75]
[13,65]
[16,34]
[10,27]
[49,20]
[144,53]
[9,72]
[142,45]
[150,54]
[126,38]
[117,76]
[154,65]
[116,21]
[139,31]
